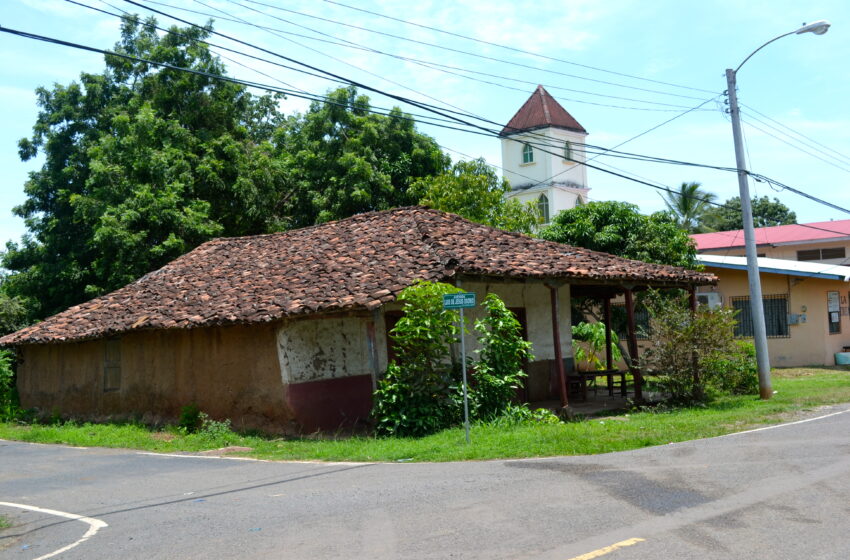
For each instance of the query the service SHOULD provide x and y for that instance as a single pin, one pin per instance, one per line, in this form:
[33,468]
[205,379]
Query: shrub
[735,373]
[190,418]
[215,430]
[9,408]
[503,351]
[591,344]
[419,394]
[686,348]
[515,415]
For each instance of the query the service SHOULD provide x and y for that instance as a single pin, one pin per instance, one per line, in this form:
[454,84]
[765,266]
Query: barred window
[568,151]
[619,321]
[775,316]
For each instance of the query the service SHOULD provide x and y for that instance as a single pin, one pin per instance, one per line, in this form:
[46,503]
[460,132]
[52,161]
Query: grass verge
[4,522]
[798,389]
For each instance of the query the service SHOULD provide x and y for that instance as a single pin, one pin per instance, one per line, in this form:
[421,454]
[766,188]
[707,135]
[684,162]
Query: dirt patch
[163,436]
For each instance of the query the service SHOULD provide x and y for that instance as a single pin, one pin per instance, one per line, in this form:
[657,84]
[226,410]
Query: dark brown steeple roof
[540,111]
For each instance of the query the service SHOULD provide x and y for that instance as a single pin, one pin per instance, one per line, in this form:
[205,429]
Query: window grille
[832,253]
[619,321]
[775,316]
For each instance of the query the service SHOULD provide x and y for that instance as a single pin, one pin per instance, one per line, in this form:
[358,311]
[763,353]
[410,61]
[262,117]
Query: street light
[756,307]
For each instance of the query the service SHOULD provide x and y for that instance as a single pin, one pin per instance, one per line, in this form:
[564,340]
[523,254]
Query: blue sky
[798,85]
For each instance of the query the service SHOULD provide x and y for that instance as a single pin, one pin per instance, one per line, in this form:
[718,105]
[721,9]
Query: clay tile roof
[541,111]
[359,263]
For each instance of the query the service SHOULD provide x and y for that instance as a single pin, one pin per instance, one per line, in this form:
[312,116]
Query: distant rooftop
[774,235]
[541,111]
[780,266]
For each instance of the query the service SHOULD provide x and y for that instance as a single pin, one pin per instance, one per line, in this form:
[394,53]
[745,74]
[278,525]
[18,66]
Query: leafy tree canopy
[473,190]
[618,228]
[343,159]
[766,212]
[142,164]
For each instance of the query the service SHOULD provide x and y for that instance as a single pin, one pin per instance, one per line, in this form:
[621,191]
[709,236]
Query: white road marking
[783,424]
[94,525]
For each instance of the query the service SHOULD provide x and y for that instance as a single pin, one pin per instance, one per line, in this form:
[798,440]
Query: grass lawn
[798,390]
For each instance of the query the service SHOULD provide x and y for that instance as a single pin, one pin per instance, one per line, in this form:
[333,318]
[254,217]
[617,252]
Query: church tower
[542,146]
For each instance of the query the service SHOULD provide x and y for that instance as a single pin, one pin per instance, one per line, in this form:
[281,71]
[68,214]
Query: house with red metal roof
[542,151]
[287,332]
[805,277]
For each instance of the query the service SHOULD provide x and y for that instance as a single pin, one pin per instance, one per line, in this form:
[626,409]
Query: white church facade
[542,147]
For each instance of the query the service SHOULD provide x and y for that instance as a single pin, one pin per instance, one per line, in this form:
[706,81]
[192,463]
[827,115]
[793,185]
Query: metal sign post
[462,301]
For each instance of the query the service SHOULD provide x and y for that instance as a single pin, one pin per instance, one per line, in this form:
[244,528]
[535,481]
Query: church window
[568,151]
[543,207]
[527,154]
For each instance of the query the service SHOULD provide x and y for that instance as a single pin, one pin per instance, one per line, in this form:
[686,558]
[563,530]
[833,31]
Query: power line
[263,86]
[440,67]
[507,47]
[831,161]
[459,51]
[798,133]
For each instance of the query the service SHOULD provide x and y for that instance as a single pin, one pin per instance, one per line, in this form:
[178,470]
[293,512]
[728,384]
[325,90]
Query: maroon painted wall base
[330,404]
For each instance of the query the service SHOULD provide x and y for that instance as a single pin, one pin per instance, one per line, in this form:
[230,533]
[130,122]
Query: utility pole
[756,303]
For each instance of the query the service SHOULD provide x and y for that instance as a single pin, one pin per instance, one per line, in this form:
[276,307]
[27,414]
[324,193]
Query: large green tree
[688,204]
[620,229]
[766,212]
[141,164]
[473,190]
[342,159]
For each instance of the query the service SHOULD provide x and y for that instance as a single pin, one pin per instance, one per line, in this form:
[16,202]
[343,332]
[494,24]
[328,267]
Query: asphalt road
[777,493]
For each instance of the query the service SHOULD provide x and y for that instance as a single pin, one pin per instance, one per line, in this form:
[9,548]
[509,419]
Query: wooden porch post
[633,347]
[692,301]
[556,340]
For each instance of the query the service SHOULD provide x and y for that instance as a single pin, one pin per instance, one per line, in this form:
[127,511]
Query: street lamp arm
[818,27]
[763,46]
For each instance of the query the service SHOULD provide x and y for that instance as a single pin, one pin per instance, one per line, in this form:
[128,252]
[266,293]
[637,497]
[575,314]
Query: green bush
[9,406]
[419,394]
[590,347]
[687,349]
[498,374]
[735,373]
[515,415]
[190,418]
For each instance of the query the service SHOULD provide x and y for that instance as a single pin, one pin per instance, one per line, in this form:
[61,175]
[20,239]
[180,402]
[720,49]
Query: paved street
[777,493]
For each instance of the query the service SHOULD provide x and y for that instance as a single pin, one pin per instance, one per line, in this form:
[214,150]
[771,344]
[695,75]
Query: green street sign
[459,301]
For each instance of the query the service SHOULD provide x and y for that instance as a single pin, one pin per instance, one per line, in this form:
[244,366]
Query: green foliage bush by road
[692,354]
[421,391]
[499,371]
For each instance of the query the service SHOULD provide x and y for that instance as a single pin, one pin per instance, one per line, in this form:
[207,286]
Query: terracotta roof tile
[362,262]
[541,110]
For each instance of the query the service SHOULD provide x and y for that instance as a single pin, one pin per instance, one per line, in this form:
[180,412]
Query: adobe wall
[330,366]
[229,372]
